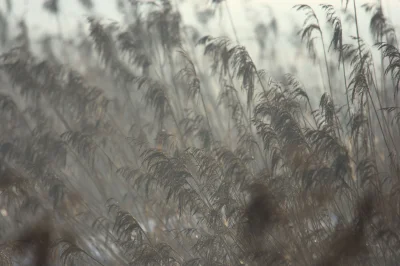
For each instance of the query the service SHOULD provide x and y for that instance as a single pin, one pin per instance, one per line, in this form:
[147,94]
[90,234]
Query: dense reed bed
[148,143]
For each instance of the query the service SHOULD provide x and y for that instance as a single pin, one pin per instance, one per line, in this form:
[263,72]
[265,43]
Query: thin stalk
[231,22]
[368,91]
[326,64]
[205,112]
[345,85]
[382,112]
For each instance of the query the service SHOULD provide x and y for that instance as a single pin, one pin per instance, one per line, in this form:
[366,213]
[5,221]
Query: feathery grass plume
[310,26]
[236,57]
[52,6]
[337,38]
[392,53]
[88,4]
[379,25]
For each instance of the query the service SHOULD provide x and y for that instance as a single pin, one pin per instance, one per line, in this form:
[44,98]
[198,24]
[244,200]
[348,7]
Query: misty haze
[199,133]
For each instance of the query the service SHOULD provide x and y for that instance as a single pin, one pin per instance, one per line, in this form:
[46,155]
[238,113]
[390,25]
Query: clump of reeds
[162,147]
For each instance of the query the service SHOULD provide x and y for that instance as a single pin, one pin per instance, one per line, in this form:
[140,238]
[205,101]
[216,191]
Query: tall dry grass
[162,147]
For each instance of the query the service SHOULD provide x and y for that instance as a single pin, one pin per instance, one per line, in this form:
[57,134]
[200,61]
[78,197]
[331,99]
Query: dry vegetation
[162,147]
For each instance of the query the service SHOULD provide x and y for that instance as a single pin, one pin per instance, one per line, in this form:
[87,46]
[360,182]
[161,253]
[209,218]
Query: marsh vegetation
[149,142]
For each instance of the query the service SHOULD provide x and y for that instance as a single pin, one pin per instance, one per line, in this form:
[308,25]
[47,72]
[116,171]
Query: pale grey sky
[72,12]
[245,13]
